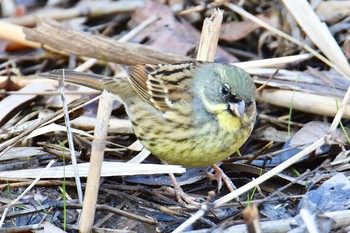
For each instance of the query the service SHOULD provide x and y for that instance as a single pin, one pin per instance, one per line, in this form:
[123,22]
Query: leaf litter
[296,107]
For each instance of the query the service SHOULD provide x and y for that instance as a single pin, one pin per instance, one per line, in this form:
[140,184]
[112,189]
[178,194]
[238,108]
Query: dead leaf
[169,34]
[333,11]
[313,131]
[232,31]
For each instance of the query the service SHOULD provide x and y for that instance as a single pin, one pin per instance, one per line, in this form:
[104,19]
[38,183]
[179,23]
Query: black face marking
[228,95]
[232,98]
[230,111]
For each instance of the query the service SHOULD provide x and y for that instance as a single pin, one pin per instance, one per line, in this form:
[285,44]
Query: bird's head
[224,87]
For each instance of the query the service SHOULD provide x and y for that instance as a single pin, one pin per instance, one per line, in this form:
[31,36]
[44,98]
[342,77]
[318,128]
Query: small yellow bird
[193,114]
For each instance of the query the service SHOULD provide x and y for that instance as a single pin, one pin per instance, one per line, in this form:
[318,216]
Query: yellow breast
[203,146]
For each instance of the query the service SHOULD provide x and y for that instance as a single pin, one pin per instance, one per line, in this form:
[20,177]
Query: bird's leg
[220,176]
[181,196]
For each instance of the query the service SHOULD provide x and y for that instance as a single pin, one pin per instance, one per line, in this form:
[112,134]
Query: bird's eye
[225,89]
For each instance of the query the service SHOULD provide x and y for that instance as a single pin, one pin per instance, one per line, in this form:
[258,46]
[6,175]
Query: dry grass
[300,63]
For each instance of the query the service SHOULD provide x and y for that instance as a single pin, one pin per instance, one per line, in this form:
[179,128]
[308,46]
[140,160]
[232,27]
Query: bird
[193,114]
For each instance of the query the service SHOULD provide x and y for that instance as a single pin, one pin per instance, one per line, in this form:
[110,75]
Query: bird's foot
[181,196]
[220,176]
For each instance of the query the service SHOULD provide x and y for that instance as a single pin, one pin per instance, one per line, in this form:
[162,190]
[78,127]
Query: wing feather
[164,86]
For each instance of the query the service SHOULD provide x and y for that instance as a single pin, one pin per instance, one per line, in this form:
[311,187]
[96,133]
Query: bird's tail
[94,81]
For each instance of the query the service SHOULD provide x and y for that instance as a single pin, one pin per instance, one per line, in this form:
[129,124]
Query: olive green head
[225,87]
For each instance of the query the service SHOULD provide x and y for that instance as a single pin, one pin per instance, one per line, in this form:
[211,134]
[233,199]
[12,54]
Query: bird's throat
[229,122]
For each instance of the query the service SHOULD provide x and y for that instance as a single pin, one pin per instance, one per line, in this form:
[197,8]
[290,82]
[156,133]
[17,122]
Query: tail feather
[94,81]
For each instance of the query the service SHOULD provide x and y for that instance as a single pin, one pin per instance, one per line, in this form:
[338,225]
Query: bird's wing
[164,85]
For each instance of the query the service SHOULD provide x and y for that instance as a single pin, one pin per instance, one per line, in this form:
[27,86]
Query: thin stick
[340,112]
[3,92]
[70,139]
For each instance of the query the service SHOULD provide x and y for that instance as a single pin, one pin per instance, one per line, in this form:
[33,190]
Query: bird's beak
[238,109]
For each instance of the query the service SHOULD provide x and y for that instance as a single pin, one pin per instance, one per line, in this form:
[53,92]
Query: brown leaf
[313,131]
[169,33]
[232,31]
